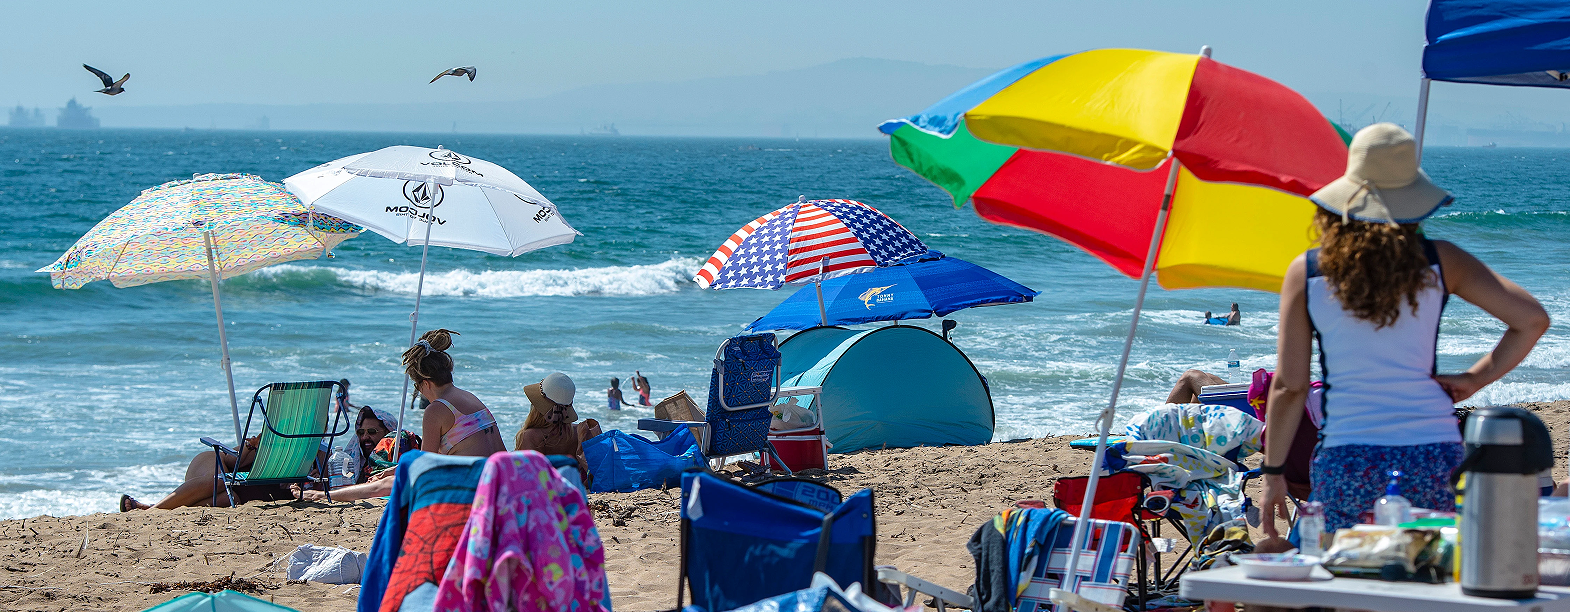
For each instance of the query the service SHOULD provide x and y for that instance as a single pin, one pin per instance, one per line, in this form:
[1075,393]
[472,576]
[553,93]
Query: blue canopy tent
[915,288]
[1524,43]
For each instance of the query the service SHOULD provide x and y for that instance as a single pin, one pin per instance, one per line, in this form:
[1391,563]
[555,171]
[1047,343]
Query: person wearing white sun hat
[1372,294]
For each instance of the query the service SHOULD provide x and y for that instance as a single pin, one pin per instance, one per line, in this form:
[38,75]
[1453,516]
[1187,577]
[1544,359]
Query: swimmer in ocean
[613,395]
[641,384]
[1232,317]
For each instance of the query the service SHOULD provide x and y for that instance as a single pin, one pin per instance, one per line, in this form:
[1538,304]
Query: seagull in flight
[111,86]
[468,71]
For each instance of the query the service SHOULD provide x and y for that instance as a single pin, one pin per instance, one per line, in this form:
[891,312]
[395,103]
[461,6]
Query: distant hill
[842,99]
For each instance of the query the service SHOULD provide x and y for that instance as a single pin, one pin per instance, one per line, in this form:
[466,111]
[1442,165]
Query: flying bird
[468,71]
[111,86]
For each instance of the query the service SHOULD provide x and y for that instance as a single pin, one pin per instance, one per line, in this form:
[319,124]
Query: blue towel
[387,541]
[1027,536]
[424,481]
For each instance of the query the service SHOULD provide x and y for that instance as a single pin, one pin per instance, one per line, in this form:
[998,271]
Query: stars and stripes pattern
[788,245]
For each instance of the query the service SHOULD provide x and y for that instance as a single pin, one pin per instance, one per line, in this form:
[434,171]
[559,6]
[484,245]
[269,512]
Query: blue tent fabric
[623,462]
[900,386]
[1499,42]
[918,288]
[743,546]
[222,601]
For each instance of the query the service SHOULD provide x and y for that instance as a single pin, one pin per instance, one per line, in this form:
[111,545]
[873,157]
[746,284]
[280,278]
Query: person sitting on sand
[466,427]
[202,483]
[201,479]
[641,384]
[549,428]
[613,395]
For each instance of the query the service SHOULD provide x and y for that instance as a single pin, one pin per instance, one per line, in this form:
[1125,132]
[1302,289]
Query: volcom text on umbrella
[416,214]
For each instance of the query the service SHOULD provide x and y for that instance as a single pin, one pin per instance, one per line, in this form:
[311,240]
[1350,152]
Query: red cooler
[800,449]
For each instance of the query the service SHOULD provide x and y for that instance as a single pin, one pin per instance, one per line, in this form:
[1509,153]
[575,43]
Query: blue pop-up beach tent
[897,386]
[1494,42]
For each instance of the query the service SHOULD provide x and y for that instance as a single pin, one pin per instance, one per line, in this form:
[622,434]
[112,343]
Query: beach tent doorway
[898,386]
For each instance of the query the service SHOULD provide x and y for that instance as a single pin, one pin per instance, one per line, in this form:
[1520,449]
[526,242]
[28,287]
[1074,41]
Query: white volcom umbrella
[420,196]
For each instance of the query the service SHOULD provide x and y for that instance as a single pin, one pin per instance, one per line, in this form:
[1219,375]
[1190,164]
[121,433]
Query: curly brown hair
[1371,266]
[428,358]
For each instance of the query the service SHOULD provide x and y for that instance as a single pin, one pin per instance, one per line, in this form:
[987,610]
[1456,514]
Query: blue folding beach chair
[744,384]
[803,491]
[740,545]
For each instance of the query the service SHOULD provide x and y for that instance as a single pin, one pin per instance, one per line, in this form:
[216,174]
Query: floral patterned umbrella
[209,227]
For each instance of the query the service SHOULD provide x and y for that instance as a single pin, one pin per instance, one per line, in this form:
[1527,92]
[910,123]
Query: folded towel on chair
[419,528]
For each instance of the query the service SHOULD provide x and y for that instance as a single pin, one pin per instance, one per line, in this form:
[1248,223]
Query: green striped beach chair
[294,424]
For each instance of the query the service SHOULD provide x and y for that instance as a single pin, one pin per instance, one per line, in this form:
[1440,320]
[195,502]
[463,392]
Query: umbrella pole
[1422,116]
[823,312]
[223,340]
[1105,420]
[414,317]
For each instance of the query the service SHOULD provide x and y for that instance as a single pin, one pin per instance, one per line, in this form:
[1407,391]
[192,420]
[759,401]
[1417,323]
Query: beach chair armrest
[947,596]
[790,391]
[1075,602]
[219,446]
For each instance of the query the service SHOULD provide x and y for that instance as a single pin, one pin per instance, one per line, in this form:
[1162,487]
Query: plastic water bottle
[1392,509]
[1311,529]
[343,467]
[1234,368]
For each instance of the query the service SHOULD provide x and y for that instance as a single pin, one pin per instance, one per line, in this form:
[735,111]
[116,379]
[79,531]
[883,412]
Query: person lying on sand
[465,428]
[550,427]
[1186,391]
[375,447]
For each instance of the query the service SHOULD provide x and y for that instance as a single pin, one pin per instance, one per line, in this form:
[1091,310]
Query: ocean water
[106,390]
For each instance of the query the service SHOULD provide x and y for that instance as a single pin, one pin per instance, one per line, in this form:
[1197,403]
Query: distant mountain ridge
[841,99]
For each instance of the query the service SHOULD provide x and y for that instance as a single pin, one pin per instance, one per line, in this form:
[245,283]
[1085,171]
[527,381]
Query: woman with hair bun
[1372,295]
[466,426]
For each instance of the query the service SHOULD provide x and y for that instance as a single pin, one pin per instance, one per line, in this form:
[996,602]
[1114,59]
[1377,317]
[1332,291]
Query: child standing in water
[613,395]
[641,385]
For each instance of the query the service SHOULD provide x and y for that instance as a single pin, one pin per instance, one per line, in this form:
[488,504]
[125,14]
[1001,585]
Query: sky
[288,52]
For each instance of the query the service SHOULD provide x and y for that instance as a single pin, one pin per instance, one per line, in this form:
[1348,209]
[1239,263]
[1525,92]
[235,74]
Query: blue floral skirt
[1349,479]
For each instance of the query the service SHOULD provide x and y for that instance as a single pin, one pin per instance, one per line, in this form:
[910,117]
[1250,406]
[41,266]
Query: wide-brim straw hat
[1383,183]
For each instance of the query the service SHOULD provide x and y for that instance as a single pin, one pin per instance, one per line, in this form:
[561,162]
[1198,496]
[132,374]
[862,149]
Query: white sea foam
[1502,393]
[618,281]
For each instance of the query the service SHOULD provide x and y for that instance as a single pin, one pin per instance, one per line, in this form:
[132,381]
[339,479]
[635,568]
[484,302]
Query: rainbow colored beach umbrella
[209,227]
[1154,162]
[1081,146]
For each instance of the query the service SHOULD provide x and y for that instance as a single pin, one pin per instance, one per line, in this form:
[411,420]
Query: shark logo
[875,293]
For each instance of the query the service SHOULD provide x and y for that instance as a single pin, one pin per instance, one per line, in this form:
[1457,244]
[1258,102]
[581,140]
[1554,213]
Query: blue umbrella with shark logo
[421,196]
[913,288]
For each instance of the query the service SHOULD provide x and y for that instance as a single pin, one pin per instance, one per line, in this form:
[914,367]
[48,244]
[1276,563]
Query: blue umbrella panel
[926,286]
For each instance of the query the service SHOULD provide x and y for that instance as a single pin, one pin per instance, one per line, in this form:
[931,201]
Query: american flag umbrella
[807,241]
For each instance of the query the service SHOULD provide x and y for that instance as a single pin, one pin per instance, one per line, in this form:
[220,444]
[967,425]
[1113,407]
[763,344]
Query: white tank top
[1379,388]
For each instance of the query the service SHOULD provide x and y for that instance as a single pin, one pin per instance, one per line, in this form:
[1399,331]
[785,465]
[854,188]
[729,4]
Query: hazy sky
[284,52]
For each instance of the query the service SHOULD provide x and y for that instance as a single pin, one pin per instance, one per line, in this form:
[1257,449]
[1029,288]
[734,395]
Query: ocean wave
[1504,393]
[614,281]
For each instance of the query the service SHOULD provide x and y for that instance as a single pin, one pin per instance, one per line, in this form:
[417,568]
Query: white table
[1229,584]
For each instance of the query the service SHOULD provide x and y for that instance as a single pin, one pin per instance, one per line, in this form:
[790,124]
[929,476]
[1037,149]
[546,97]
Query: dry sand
[929,501]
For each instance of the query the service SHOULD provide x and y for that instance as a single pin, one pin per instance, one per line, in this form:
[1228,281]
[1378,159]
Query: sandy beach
[929,502]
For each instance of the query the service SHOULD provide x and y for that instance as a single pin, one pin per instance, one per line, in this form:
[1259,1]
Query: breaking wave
[615,281]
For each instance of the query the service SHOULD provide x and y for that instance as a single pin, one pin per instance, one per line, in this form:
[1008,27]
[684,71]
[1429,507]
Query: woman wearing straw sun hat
[1372,294]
